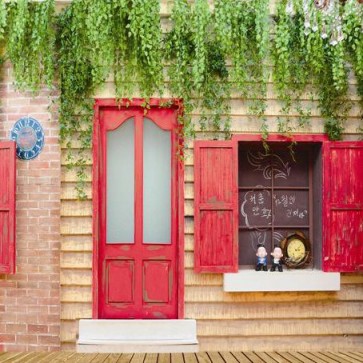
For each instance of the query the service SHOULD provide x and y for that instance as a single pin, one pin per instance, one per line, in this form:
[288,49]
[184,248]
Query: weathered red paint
[282,138]
[96,153]
[342,194]
[343,201]
[136,280]
[7,207]
[216,206]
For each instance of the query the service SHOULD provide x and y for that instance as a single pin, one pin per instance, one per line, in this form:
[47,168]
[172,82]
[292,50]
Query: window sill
[249,280]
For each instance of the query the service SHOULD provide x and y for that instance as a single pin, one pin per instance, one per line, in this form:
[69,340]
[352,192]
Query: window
[7,207]
[323,187]
[276,196]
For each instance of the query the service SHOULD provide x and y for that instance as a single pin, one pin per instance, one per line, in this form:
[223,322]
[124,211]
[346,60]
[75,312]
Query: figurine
[276,263]
[261,258]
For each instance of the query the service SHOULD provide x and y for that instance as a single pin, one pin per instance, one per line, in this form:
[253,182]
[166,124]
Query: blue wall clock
[28,134]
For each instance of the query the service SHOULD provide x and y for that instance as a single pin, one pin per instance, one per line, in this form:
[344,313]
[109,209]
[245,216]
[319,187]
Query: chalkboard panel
[279,167]
[291,207]
[255,208]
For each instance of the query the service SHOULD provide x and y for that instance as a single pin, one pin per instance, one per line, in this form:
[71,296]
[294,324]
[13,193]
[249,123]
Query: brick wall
[29,300]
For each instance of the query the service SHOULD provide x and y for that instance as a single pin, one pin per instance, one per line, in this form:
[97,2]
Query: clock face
[29,137]
[296,250]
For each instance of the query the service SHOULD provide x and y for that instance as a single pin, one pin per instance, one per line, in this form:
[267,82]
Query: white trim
[289,280]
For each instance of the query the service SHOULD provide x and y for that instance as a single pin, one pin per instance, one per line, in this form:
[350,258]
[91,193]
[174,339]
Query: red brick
[26,318]
[16,348]
[28,285]
[37,328]
[7,338]
[26,339]
[16,328]
[28,268]
[51,340]
[27,300]
[17,292]
[39,101]
[49,285]
[47,319]
[37,309]
[18,100]
[7,284]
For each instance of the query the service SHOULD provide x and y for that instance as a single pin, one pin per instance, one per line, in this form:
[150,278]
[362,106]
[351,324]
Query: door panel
[120,281]
[138,231]
[157,274]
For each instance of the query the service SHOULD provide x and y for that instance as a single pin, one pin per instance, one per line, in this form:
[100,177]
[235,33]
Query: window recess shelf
[249,280]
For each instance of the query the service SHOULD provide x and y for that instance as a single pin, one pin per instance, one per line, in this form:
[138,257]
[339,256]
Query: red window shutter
[7,207]
[215,206]
[343,201]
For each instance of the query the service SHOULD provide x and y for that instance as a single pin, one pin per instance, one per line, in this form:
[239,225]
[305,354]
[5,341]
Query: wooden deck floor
[209,357]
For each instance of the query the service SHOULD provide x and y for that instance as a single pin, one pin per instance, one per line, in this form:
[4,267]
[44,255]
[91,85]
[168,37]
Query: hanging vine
[3,14]
[292,44]
[98,24]
[31,43]
[145,36]
[178,53]
[77,76]
[353,32]
[211,57]
[3,20]
[198,71]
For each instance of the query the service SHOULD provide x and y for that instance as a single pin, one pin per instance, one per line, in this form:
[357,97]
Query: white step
[101,335]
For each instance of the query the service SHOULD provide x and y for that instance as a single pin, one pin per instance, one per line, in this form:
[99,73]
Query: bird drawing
[269,164]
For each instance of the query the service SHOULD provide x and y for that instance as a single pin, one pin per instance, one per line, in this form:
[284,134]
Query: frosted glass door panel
[120,183]
[157,184]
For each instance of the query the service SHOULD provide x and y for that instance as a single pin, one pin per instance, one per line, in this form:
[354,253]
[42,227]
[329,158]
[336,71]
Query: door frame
[120,104]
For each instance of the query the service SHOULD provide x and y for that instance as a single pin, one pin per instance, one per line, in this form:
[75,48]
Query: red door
[138,214]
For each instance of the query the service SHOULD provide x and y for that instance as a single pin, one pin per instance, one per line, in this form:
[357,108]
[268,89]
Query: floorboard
[164,358]
[228,357]
[279,358]
[177,358]
[190,358]
[201,357]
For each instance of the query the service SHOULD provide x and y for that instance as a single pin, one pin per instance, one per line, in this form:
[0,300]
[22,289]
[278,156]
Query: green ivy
[77,75]
[145,36]
[198,71]
[3,14]
[178,53]
[353,32]
[209,54]
[3,21]
[98,23]
[31,40]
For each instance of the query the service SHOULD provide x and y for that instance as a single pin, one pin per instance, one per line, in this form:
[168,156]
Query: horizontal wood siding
[244,321]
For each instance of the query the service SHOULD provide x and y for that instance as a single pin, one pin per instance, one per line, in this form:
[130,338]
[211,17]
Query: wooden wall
[226,321]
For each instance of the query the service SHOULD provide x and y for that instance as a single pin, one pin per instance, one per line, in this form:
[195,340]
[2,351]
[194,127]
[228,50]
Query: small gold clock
[296,249]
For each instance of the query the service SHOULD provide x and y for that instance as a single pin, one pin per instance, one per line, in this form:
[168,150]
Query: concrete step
[101,335]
